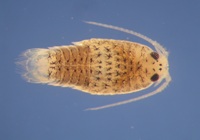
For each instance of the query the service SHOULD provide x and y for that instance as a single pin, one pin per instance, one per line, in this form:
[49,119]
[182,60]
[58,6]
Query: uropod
[100,66]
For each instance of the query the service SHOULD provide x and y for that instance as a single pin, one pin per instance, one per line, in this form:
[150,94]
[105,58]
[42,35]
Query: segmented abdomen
[69,66]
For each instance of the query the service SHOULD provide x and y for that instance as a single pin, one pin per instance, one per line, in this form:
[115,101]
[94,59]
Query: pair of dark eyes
[155,56]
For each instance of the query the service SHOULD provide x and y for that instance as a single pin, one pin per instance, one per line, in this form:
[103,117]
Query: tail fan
[34,63]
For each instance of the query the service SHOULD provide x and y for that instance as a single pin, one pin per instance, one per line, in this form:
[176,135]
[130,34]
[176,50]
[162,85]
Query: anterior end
[34,63]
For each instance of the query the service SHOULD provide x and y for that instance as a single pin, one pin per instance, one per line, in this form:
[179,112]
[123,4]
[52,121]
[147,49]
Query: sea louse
[100,66]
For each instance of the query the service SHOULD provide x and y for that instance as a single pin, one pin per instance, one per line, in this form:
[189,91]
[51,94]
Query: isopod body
[99,66]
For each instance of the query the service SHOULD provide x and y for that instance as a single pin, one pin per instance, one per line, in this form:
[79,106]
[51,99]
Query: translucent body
[99,66]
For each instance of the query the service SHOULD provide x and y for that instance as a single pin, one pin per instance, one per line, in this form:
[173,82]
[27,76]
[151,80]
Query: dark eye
[155,77]
[155,55]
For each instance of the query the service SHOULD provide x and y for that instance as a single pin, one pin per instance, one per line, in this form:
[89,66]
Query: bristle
[34,63]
